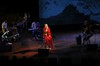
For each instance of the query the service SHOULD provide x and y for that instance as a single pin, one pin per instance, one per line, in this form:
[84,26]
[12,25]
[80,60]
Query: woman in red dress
[48,42]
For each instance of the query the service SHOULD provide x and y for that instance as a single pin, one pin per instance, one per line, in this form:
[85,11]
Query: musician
[6,37]
[4,26]
[85,25]
[87,32]
[19,26]
[37,25]
[14,28]
[33,27]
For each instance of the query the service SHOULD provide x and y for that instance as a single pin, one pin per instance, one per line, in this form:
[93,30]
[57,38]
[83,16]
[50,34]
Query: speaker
[91,47]
[43,52]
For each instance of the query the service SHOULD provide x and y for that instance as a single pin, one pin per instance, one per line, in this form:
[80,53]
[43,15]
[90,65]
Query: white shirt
[33,26]
[4,25]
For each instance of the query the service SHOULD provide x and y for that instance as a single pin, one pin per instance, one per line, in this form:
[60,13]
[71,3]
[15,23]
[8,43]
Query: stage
[65,45]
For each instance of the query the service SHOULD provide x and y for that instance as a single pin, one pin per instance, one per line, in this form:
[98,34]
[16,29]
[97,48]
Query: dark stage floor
[65,46]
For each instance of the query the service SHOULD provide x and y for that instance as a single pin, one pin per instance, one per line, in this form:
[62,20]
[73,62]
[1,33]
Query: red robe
[47,38]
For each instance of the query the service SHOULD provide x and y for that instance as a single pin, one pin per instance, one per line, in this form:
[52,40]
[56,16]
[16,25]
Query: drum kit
[7,37]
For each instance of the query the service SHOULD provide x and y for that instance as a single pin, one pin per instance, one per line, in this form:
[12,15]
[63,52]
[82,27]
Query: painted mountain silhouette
[69,15]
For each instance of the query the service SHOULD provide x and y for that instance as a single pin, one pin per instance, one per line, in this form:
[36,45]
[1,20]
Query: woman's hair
[46,24]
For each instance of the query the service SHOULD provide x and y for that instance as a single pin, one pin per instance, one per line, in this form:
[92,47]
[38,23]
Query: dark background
[19,7]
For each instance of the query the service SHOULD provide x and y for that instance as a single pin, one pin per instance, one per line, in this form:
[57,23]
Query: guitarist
[87,32]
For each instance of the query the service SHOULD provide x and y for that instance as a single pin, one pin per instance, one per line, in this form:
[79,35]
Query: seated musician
[87,32]
[6,37]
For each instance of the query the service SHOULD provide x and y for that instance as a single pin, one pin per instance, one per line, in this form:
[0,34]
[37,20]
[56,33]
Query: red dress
[47,38]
